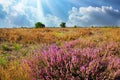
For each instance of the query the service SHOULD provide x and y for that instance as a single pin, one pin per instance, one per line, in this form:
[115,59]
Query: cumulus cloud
[19,7]
[14,14]
[6,23]
[21,14]
[25,13]
[51,20]
[3,16]
[6,4]
[98,16]
[2,13]
[21,20]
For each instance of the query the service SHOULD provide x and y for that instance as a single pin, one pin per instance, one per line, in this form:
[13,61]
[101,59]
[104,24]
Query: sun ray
[52,8]
[39,11]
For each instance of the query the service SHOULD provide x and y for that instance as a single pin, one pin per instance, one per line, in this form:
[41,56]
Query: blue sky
[17,13]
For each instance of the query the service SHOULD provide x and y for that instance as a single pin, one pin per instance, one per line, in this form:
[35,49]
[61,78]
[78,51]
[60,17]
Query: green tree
[75,26]
[39,25]
[63,25]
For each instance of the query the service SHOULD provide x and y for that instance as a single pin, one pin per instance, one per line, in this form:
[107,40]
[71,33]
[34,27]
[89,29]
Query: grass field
[60,54]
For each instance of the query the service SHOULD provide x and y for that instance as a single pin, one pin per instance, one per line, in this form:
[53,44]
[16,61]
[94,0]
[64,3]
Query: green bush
[63,25]
[39,25]
[75,26]
[16,46]
[5,48]
[2,61]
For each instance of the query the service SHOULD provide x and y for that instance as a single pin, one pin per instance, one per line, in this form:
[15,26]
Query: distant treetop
[63,25]
[39,25]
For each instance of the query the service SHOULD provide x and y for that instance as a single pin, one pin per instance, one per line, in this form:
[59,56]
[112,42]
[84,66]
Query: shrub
[57,63]
[63,25]
[39,25]
[92,26]
[2,61]
[75,26]
[5,47]
[16,46]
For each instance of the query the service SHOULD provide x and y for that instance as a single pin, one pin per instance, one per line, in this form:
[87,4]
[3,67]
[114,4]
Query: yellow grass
[16,70]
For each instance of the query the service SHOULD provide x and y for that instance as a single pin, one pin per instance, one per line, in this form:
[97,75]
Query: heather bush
[94,54]
[67,63]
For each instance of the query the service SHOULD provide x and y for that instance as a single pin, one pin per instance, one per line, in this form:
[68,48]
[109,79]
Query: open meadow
[60,54]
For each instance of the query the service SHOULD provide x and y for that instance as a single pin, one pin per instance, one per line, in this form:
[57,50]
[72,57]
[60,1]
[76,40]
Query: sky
[25,13]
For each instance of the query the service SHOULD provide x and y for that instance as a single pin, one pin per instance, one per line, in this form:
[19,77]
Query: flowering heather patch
[77,54]
[67,63]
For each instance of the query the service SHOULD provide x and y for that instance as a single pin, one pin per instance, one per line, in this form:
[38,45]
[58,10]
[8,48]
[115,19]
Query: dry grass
[47,35]
[51,35]
[17,44]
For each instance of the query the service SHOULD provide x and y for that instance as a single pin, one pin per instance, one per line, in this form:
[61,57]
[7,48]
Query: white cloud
[6,4]
[98,16]
[51,21]
[19,8]
[25,13]
[6,23]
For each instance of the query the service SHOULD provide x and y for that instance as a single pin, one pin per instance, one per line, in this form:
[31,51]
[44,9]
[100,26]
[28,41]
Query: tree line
[41,25]
[63,25]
